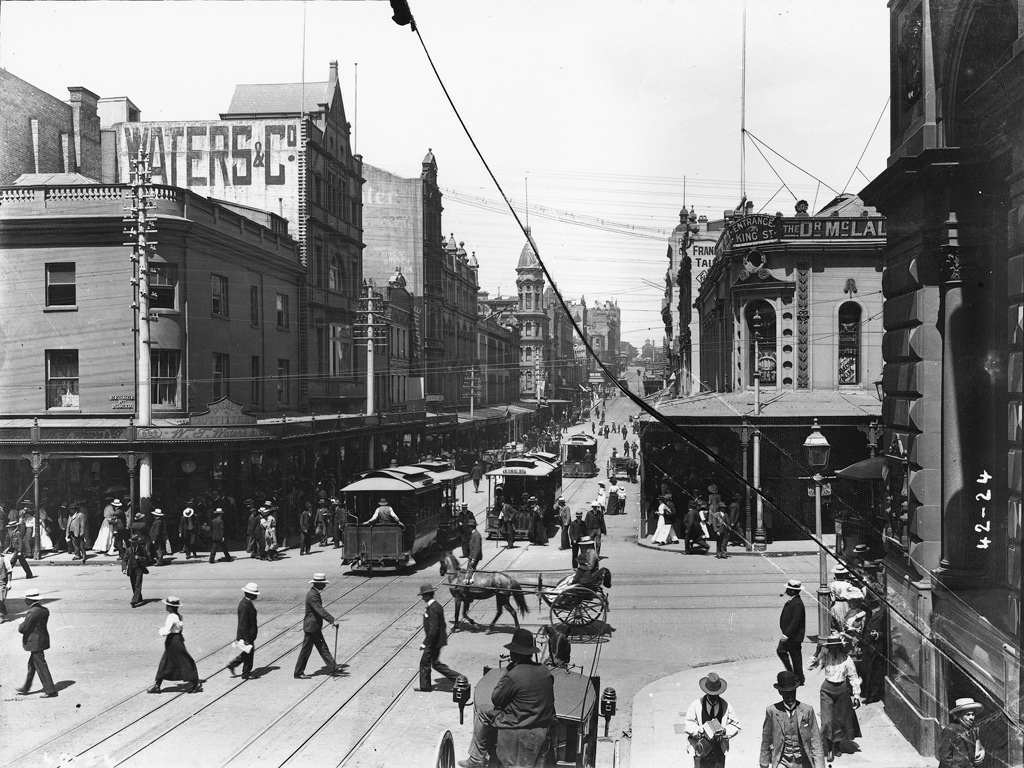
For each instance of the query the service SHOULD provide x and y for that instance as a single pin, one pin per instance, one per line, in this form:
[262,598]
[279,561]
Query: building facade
[535,374]
[953,194]
[604,321]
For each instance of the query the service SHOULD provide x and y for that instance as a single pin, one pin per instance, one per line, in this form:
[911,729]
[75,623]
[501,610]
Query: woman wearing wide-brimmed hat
[960,746]
[665,534]
[840,694]
[176,663]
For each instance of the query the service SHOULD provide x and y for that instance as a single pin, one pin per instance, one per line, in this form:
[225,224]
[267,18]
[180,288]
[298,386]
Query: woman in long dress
[664,534]
[840,695]
[270,534]
[105,538]
[176,663]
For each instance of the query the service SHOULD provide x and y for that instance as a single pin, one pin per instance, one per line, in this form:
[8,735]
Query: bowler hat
[522,642]
[786,681]
[251,588]
[712,684]
[964,705]
[427,589]
[318,578]
[174,602]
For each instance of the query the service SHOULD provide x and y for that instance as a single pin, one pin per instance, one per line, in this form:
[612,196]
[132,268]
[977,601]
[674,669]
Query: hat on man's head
[712,684]
[174,602]
[596,504]
[158,512]
[861,549]
[560,498]
[115,503]
[218,511]
[318,578]
[585,540]
[32,594]
[140,516]
[786,681]
[964,705]
[522,642]
[427,589]
[187,512]
[471,522]
[579,513]
[251,588]
[793,587]
[840,570]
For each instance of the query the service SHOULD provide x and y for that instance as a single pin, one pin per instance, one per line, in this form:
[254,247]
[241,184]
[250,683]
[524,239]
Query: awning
[866,470]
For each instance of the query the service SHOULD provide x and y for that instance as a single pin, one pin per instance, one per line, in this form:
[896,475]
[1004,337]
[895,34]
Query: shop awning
[866,470]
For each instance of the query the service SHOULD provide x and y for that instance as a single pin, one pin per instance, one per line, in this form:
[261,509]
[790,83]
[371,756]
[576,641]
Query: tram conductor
[518,726]
[385,514]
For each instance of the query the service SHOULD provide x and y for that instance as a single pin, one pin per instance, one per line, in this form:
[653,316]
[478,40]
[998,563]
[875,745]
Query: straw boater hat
[713,685]
[793,587]
[115,503]
[964,705]
[861,549]
[158,512]
[840,570]
[579,513]
[561,498]
[522,642]
[32,594]
[595,504]
[251,588]
[187,512]
[585,540]
[218,511]
[426,589]
[174,602]
[786,681]
[382,501]
[318,578]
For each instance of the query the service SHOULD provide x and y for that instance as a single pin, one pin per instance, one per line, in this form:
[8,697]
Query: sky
[607,116]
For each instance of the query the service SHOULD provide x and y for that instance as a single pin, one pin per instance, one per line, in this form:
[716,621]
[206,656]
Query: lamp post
[816,450]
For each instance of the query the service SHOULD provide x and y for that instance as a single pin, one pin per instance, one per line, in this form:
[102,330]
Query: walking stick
[335,649]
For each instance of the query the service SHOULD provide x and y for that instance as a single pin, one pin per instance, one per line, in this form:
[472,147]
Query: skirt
[838,717]
[105,538]
[176,664]
[664,533]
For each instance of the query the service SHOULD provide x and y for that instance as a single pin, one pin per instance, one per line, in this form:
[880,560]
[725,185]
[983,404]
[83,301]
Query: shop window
[219,295]
[849,343]
[221,375]
[60,285]
[163,286]
[62,378]
[165,369]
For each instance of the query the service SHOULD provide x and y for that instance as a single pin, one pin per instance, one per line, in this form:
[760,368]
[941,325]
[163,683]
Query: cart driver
[586,563]
[385,514]
[524,710]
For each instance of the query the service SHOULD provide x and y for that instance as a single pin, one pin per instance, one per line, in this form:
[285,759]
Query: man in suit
[17,535]
[217,540]
[792,622]
[305,528]
[36,639]
[157,537]
[435,637]
[247,630]
[595,524]
[312,629]
[474,550]
[577,530]
[710,707]
[564,520]
[790,735]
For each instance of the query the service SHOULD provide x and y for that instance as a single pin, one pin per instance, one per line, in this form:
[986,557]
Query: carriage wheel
[445,751]
[577,609]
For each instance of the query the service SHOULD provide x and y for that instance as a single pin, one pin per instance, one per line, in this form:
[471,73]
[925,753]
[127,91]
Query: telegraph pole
[140,227]
[369,330]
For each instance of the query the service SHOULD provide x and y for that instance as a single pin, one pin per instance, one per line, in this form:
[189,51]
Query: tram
[516,480]
[424,500]
[449,529]
[579,456]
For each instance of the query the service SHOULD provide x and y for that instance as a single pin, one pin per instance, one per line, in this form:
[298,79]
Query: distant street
[668,612]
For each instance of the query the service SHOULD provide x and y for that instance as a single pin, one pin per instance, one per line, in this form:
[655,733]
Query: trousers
[223,546]
[135,576]
[792,658]
[515,748]
[37,663]
[246,660]
[431,659]
[309,641]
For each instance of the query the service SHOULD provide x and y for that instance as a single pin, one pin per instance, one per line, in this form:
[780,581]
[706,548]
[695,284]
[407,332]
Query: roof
[527,257]
[737,406]
[278,98]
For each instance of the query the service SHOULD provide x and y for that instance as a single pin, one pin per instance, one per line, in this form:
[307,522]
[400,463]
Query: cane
[335,649]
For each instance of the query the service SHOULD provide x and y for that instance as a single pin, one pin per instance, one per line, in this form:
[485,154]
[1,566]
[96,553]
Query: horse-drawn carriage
[515,481]
[579,454]
[618,467]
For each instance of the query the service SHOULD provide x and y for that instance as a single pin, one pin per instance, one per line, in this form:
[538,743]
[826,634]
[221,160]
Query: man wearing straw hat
[960,746]
[312,629]
[709,723]
[248,628]
[36,640]
[793,623]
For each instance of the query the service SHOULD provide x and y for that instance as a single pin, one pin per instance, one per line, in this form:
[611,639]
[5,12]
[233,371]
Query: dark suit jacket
[217,528]
[475,547]
[35,637]
[792,621]
[316,614]
[807,729]
[435,633]
[247,627]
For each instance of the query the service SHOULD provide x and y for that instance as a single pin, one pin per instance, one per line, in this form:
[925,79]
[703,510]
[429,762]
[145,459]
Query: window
[163,286]
[849,343]
[283,381]
[341,349]
[221,375]
[334,274]
[62,378]
[219,295]
[254,383]
[165,366]
[60,285]
[760,316]
[282,310]
[254,306]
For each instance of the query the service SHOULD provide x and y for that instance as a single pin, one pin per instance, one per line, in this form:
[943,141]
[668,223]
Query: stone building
[535,376]
[953,194]
[604,321]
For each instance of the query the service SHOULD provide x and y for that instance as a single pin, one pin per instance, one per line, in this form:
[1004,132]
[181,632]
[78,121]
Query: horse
[486,584]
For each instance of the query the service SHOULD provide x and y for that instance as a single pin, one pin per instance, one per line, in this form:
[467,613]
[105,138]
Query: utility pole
[370,330]
[140,227]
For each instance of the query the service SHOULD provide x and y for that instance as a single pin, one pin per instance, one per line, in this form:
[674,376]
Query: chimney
[85,123]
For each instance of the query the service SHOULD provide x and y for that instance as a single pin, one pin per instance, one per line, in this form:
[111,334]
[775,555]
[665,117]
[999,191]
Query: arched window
[760,318]
[849,343]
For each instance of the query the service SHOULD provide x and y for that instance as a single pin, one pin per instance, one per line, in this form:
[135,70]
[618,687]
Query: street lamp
[816,451]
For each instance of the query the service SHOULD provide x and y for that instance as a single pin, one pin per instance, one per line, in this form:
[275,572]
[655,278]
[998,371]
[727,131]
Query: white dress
[664,533]
[105,538]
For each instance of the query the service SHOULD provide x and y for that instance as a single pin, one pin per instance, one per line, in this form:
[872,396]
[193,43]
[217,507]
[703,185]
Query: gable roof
[252,99]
